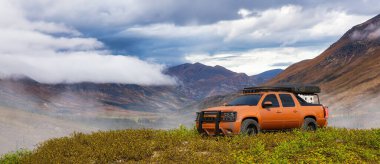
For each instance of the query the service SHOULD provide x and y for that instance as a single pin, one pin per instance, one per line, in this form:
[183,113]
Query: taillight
[326,112]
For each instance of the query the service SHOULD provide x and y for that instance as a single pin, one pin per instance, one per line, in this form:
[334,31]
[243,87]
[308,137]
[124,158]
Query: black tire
[250,127]
[309,124]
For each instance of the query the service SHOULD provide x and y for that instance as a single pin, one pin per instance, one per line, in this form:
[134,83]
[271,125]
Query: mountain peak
[366,31]
[201,71]
[197,64]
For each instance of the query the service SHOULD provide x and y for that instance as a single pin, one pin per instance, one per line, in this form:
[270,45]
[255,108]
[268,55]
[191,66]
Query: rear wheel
[250,127]
[309,124]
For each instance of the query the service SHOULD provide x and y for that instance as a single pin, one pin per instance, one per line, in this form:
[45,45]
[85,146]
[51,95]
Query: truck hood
[229,108]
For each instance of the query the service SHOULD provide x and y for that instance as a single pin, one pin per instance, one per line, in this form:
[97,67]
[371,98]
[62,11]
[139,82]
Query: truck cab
[265,108]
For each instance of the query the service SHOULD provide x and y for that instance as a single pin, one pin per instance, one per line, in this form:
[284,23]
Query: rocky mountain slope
[348,73]
[199,81]
[349,67]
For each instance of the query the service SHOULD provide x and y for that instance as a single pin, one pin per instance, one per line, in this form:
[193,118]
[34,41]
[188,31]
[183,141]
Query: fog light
[229,131]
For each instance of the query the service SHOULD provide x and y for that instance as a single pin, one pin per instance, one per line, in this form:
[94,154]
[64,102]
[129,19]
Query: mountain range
[348,72]
[195,82]
[198,81]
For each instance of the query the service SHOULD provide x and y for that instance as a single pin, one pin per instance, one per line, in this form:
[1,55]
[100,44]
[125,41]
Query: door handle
[295,111]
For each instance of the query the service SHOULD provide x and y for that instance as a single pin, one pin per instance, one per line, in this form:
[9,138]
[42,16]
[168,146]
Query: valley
[347,71]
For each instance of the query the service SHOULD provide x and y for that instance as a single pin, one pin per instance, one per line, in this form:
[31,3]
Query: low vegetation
[14,157]
[329,145]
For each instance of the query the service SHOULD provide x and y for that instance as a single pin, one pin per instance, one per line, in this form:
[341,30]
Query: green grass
[14,157]
[182,145]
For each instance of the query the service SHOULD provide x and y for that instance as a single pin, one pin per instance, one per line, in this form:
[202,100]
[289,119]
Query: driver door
[271,116]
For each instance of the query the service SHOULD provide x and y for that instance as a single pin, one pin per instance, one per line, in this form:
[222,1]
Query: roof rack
[293,89]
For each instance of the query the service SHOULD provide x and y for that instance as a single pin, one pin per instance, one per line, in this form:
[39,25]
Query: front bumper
[216,126]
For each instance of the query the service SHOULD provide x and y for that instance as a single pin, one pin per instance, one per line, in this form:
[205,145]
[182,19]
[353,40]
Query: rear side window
[272,98]
[287,100]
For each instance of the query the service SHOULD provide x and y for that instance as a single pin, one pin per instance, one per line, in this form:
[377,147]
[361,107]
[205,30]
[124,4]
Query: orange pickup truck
[265,108]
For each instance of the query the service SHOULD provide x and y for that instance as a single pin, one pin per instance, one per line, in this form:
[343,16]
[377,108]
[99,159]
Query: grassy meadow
[328,145]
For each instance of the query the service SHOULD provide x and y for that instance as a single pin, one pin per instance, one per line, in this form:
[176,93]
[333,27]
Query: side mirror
[225,104]
[267,104]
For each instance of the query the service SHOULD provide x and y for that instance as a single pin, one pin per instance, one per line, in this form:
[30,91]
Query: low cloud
[256,61]
[371,32]
[282,64]
[83,67]
[55,53]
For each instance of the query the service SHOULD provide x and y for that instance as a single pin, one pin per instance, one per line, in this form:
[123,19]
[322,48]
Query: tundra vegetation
[182,145]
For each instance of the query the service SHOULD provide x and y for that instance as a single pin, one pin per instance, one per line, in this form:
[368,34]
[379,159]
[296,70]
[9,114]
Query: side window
[287,100]
[272,98]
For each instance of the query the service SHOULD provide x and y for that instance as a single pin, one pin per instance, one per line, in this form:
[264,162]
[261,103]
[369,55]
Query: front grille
[207,119]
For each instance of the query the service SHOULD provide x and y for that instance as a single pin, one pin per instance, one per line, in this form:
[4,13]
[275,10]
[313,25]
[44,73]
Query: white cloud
[55,53]
[335,23]
[244,13]
[83,67]
[286,25]
[375,34]
[177,27]
[258,60]
[288,28]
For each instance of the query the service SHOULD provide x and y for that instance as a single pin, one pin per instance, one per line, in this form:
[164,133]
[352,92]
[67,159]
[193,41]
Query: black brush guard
[217,120]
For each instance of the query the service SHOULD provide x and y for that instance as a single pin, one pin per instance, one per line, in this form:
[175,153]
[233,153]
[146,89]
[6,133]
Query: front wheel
[250,127]
[309,124]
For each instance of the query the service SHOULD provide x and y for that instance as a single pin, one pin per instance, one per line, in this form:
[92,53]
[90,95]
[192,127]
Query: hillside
[348,72]
[195,82]
[186,146]
[26,93]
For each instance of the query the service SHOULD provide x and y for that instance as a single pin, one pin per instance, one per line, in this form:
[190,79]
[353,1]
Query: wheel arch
[310,116]
[253,118]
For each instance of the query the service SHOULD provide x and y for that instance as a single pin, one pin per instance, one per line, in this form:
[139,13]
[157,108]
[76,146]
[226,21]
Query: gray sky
[105,41]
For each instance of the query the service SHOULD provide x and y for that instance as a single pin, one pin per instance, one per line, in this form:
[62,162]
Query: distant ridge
[200,81]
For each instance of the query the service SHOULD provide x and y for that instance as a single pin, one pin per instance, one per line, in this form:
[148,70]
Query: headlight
[229,116]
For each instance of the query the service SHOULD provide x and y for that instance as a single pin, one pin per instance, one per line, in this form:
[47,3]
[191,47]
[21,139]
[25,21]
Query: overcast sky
[132,41]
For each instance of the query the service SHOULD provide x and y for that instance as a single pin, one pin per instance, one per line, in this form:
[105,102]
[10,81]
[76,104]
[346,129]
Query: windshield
[251,100]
